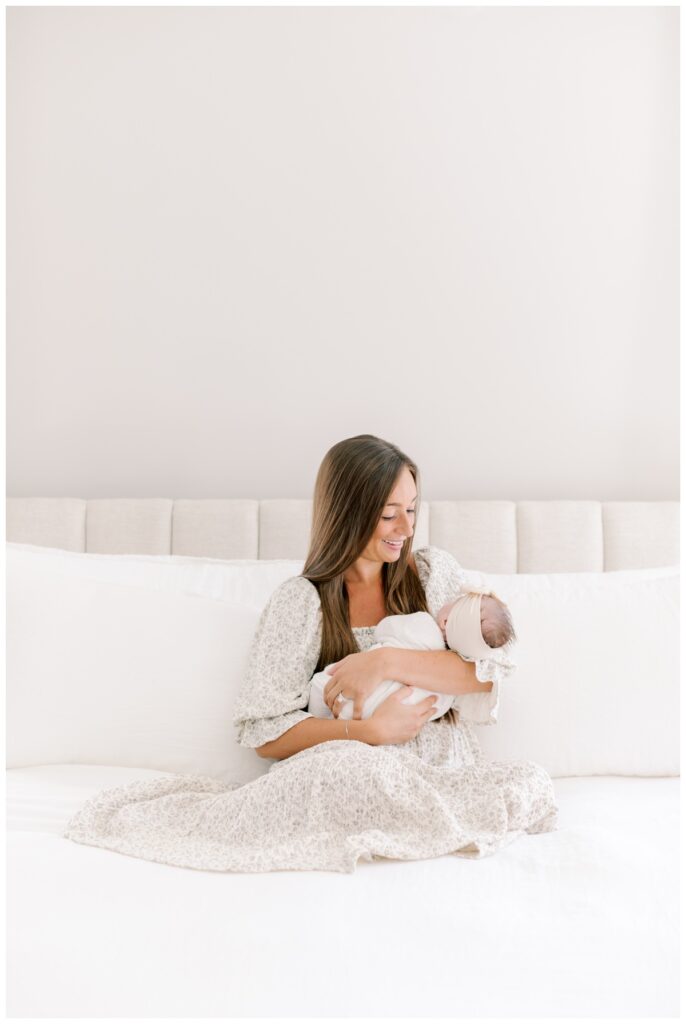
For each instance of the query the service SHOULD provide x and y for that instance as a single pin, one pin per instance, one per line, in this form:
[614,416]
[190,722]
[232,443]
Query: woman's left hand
[355,676]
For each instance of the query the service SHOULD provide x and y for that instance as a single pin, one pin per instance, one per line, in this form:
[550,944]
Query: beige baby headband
[463,628]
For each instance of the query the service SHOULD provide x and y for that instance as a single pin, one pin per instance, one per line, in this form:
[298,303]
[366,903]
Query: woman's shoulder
[297,588]
[433,557]
[293,595]
[293,609]
[438,566]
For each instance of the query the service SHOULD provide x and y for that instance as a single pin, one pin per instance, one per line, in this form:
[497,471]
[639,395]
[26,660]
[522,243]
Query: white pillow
[596,691]
[135,660]
[131,660]
[239,580]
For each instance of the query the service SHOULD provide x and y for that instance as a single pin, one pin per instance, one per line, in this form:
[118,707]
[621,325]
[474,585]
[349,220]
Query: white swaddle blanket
[418,631]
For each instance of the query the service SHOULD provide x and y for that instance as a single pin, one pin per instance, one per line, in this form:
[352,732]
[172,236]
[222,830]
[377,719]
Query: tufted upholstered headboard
[491,536]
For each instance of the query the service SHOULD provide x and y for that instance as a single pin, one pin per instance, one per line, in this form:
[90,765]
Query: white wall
[239,235]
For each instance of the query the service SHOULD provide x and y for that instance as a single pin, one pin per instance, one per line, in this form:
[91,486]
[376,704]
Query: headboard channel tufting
[492,536]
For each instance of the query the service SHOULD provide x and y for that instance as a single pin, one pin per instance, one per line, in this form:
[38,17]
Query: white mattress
[578,922]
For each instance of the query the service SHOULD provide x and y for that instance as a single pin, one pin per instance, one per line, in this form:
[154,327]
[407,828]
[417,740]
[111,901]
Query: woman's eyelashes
[387,518]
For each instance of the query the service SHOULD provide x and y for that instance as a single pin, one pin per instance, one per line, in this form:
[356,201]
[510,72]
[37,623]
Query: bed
[582,921]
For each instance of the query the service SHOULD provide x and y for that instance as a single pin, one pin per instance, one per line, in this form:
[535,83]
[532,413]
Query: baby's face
[443,614]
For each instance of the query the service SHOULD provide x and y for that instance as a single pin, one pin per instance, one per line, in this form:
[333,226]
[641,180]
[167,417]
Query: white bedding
[583,919]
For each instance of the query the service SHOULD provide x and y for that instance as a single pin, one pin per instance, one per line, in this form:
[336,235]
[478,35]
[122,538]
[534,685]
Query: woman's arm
[275,689]
[442,671]
[312,731]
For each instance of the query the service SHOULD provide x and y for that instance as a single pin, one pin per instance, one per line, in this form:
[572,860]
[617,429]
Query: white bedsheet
[582,921]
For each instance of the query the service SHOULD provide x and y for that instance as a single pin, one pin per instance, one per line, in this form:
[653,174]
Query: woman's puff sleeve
[282,659]
[478,708]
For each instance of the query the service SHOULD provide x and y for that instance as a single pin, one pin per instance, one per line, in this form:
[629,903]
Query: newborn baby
[473,625]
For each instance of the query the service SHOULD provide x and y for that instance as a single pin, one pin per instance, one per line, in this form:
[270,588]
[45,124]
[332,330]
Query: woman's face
[396,523]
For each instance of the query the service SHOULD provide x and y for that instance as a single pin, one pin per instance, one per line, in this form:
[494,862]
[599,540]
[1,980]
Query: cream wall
[236,236]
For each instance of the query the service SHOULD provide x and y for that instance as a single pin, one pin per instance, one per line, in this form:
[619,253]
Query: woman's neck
[364,574]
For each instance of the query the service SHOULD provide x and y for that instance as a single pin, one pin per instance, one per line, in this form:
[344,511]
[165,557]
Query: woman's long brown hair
[353,484]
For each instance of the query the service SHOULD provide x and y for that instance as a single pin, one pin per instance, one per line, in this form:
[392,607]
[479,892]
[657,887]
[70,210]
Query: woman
[394,785]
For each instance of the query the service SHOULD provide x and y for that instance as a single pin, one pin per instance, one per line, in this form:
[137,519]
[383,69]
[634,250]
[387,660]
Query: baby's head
[497,628]
[496,624]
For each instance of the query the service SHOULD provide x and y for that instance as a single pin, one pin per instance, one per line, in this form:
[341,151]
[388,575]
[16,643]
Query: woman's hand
[355,676]
[395,722]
